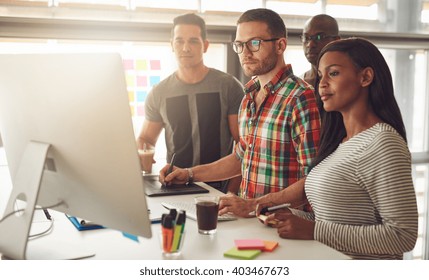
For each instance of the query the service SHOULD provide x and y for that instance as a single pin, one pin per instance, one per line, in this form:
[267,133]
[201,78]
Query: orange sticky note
[270,246]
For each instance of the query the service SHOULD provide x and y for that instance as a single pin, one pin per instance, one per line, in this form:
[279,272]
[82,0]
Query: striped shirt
[363,196]
[277,142]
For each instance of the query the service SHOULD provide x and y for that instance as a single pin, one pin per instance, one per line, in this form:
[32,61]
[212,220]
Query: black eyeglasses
[315,38]
[252,45]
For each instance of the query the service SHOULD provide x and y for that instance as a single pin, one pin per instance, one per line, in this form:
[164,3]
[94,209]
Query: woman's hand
[291,226]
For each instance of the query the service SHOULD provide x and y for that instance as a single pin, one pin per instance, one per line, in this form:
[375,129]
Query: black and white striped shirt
[363,196]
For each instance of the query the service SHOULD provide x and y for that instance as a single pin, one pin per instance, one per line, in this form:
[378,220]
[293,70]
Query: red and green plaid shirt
[277,142]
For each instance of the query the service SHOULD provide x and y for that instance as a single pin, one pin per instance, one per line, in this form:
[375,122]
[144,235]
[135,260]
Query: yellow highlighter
[178,230]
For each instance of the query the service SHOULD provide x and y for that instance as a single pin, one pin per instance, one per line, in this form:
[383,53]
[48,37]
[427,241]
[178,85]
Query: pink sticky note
[140,110]
[155,64]
[141,81]
[247,244]
[128,64]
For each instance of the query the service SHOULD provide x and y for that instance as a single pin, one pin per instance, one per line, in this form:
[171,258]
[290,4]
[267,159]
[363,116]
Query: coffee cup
[146,159]
[207,213]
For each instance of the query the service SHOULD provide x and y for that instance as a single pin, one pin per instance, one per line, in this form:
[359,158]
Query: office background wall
[140,31]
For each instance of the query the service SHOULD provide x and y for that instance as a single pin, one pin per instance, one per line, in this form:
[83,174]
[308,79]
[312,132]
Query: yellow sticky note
[141,64]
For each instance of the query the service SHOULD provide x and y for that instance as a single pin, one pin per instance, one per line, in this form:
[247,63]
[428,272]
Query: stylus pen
[170,168]
[273,208]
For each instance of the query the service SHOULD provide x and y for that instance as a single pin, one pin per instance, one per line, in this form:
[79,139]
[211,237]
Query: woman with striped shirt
[360,186]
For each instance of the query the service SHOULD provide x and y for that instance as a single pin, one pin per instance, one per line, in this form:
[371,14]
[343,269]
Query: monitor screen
[77,105]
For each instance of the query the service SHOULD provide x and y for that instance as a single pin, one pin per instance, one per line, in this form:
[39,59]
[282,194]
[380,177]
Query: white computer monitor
[66,126]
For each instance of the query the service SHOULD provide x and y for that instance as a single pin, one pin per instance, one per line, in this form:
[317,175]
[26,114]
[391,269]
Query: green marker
[178,230]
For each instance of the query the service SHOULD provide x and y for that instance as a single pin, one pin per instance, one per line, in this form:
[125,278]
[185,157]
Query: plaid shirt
[277,142]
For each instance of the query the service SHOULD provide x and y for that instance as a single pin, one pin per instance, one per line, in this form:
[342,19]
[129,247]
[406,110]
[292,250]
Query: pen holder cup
[171,244]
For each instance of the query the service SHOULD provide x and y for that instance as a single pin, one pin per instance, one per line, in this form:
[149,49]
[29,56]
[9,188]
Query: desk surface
[111,244]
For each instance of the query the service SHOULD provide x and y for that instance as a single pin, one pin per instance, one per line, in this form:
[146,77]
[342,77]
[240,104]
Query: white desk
[111,244]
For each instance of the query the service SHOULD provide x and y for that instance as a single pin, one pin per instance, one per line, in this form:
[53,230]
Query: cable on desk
[43,233]
[23,209]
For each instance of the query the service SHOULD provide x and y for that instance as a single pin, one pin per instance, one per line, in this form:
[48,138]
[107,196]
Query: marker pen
[178,230]
[173,214]
[163,218]
[167,233]
[277,207]
[183,226]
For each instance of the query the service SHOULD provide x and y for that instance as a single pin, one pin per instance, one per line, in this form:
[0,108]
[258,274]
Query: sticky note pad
[246,244]
[270,245]
[241,254]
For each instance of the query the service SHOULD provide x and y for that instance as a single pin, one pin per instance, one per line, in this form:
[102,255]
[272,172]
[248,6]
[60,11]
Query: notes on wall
[141,75]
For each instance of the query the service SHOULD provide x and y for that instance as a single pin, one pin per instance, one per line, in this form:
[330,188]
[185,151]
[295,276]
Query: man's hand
[241,207]
[177,175]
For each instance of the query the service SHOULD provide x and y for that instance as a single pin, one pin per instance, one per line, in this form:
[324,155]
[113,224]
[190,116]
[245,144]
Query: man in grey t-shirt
[196,105]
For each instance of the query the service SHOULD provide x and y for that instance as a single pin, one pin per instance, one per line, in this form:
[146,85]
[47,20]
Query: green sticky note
[241,254]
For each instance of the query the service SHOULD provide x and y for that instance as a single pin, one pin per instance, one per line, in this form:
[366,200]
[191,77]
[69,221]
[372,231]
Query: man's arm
[149,133]
[234,183]
[233,126]
[294,194]
[222,169]
[306,129]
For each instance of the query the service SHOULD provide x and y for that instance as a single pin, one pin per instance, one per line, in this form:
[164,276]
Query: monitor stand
[15,229]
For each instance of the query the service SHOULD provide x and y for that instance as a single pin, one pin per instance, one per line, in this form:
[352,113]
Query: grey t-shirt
[195,116]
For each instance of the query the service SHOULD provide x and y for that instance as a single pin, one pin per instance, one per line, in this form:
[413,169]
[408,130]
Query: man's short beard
[268,65]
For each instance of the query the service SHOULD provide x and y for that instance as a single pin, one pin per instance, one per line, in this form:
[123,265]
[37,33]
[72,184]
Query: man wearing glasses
[317,33]
[279,121]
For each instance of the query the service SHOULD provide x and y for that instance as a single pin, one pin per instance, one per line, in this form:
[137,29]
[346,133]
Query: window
[229,6]
[168,4]
[425,12]
[409,72]
[367,12]
[421,179]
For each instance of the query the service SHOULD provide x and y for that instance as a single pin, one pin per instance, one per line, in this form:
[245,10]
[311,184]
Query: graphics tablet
[154,188]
